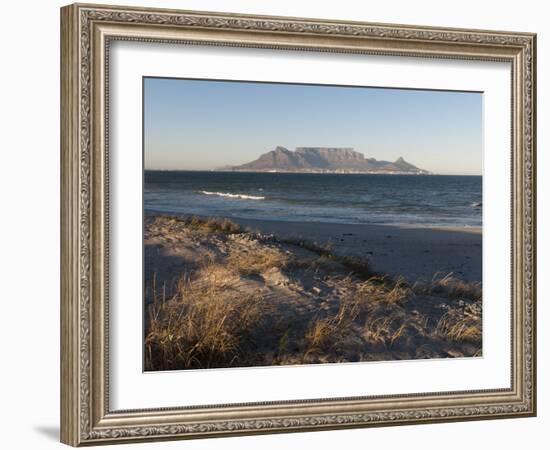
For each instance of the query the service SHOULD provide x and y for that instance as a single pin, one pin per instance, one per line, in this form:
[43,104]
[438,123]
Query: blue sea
[421,200]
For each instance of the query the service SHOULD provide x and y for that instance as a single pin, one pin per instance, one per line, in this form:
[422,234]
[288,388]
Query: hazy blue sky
[193,124]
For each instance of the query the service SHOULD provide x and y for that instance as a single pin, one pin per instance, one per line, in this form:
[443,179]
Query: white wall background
[29,225]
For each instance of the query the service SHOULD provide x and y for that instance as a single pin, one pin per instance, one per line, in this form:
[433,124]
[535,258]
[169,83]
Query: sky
[203,125]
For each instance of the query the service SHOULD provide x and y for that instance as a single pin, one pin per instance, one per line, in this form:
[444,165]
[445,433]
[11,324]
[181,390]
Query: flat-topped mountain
[323,159]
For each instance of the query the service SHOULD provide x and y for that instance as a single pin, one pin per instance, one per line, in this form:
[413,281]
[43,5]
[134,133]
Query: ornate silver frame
[86,31]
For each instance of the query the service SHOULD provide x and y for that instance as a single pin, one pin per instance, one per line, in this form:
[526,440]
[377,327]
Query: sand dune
[220,294]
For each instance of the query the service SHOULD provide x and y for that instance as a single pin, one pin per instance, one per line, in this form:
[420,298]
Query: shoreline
[459,228]
[476,229]
[413,252]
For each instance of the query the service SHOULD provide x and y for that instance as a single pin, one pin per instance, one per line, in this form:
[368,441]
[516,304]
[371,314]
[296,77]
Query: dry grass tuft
[449,286]
[204,325]
[257,261]
[460,326]
[325,335]
[207,225]
[369,309]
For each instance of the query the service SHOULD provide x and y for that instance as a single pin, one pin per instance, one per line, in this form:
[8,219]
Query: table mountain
[324,159]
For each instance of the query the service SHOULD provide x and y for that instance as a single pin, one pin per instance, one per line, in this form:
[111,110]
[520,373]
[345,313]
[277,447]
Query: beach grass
[255,300]
[205,225]
[202,325]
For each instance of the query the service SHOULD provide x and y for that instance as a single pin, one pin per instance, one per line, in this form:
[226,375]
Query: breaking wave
[227,194]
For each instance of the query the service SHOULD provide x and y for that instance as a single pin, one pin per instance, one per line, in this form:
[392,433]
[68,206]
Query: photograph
[292,224]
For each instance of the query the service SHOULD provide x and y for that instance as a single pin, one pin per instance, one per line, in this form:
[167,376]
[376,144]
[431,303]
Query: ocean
[418,200]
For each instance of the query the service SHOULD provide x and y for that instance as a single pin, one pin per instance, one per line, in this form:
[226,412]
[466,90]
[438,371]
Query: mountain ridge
[323,160]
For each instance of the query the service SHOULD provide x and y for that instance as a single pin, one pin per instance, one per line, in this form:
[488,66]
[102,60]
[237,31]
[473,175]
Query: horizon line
[315,173]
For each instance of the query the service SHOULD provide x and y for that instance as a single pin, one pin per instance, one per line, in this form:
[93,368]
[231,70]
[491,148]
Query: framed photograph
[276,224]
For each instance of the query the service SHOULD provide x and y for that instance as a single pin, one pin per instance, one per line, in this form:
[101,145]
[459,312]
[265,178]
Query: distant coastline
[324,171]
[218,170]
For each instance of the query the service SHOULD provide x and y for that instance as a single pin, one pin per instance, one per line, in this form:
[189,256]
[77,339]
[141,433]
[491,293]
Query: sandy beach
[414,253]
[221,293]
